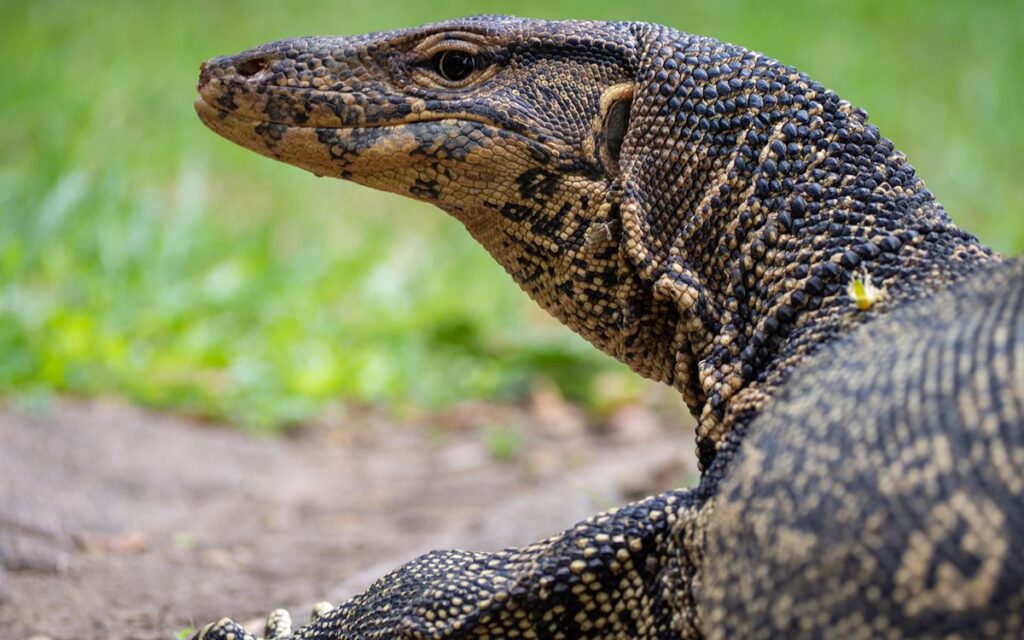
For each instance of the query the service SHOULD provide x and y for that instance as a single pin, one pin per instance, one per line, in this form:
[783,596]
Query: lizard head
[515,127]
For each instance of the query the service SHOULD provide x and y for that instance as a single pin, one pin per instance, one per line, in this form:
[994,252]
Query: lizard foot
[605,577]
[277,627]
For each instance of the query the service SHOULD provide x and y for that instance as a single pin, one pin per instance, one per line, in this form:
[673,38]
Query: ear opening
[616,105]
[615,125]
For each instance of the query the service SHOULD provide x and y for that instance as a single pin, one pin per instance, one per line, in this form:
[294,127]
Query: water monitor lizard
[724,224]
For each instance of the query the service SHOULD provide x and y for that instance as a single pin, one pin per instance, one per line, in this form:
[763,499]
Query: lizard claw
[319,609]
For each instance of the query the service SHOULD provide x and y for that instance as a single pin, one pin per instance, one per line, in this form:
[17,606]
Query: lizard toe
[279,625]
[320,609]
[223,629]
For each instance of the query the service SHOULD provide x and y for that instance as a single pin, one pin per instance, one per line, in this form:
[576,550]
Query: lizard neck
[799,282]
[777,220]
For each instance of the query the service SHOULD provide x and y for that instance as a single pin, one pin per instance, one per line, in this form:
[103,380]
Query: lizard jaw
[338,152]
[434,160]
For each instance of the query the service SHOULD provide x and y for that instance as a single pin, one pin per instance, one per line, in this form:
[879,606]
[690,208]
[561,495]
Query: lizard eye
[454,66]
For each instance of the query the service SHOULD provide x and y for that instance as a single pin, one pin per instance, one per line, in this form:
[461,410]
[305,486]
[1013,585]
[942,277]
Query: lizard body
[722,223]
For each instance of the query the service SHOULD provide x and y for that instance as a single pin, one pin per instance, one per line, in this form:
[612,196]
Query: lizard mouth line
[209,112]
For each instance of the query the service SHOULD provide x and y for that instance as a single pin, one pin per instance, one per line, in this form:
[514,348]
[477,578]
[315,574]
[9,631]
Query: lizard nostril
[252,66]
[204,75]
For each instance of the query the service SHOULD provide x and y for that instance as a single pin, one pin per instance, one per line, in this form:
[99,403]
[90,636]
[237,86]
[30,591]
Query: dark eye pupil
[453,65]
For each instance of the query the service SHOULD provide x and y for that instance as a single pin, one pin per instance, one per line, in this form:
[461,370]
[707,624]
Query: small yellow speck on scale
[865,294]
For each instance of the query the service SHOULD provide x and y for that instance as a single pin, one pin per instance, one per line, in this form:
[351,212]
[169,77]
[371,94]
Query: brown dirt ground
[120,524]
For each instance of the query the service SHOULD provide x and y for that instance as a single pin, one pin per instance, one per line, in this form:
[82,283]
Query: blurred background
[156,279]
[143,257]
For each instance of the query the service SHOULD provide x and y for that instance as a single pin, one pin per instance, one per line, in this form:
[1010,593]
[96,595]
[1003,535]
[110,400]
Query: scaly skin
[721,223]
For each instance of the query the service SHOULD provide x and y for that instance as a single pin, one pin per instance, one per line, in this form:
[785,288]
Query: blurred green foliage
[144,257]
[503,443]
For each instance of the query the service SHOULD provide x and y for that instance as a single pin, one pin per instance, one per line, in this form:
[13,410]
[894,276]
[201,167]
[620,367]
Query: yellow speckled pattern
[897,508]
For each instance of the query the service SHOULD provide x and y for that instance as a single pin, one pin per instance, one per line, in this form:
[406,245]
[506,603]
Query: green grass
[143,257]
